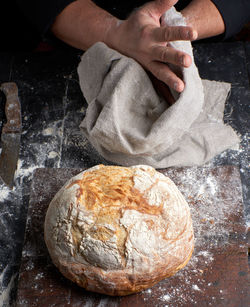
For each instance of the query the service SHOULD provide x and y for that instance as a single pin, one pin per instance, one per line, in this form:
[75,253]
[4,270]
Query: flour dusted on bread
[118,230]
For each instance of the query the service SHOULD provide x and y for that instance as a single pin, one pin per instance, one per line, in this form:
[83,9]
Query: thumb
[159,7]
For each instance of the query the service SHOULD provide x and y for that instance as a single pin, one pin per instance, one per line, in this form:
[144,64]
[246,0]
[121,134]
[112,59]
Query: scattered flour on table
[54,128]
[39,276]
[196,288]
[2,275]
[209,213]
[5,192]
[165,297]
[210,216]
[52,154]
[48,131]
[39,154]
[5,292]
[22,171]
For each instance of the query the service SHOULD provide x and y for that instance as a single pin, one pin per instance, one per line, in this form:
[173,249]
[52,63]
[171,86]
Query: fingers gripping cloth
[128,123]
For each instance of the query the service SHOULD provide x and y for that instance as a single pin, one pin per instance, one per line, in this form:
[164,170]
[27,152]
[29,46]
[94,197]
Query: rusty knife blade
[11,134]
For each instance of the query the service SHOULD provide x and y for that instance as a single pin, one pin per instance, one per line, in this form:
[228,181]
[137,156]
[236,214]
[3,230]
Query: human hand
[142,37]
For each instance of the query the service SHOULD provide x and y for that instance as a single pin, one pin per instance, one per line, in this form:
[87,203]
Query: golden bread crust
[118,230]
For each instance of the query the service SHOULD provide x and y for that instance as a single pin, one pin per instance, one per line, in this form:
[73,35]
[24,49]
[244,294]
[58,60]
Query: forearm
[141,36]
[204,17]
[82,23]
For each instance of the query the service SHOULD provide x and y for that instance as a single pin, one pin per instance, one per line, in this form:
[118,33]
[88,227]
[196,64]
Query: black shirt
[24,22]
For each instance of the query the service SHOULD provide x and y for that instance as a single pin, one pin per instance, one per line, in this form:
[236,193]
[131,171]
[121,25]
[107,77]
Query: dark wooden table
[216,274]
[52,109]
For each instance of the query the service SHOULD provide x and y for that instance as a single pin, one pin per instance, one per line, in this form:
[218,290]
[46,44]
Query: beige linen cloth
[128,123]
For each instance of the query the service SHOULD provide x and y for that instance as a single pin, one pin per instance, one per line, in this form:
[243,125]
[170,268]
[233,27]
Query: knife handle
[12,108]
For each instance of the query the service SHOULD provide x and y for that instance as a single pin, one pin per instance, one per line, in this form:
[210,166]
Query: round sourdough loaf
[118,230]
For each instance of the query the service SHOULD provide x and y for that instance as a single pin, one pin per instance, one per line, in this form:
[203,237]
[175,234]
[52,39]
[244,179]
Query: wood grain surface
[215,276]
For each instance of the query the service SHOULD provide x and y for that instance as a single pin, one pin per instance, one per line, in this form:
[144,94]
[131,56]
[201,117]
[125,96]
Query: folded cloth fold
[128,123]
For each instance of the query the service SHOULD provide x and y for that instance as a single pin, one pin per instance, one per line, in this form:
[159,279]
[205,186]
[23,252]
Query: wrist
[204,17]
[111,38]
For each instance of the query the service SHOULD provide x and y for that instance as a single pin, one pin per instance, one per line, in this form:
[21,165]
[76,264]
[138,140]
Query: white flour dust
[38,155]
[165,297]
[53,129]
[52,154]
[4,192]
[209,216]
[210,212]
[5,292]
[196,288]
